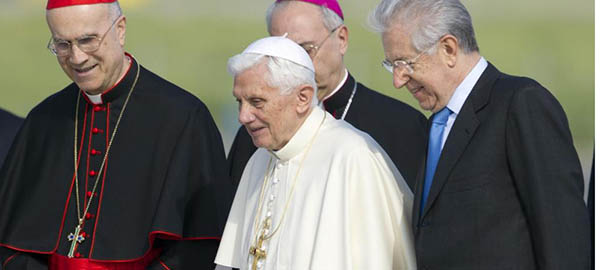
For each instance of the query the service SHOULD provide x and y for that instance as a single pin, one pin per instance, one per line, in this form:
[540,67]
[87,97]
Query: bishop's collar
[121,88]
[339,99]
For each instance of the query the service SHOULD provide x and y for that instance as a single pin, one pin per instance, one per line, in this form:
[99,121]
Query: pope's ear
[304,94]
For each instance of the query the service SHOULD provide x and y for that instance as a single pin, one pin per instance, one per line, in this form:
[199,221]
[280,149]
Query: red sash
[60,262]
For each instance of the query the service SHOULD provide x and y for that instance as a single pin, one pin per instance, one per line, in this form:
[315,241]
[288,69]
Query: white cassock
[350,208]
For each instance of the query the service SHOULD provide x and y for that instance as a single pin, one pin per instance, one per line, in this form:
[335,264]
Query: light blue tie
[439,121]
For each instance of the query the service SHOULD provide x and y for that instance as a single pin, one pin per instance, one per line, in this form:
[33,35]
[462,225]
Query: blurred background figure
[9,125]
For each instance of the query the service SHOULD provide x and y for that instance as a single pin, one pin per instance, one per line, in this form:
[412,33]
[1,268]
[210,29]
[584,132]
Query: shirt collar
[463,90]
[301,138]
[338,98]
[339,86]
[95,99]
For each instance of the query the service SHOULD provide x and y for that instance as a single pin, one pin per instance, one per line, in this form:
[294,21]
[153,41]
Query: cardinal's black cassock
[162,196]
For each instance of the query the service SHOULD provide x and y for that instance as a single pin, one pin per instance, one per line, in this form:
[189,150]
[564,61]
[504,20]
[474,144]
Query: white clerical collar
[95,99]
[463,90]
[301,138]
[336,88]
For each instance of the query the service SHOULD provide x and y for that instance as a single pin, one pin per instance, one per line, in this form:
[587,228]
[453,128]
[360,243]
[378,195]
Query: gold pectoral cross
[257,251]
[75,237]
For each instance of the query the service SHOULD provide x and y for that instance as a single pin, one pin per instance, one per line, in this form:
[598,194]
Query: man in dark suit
[501,186]
[317,25]
[9,125]
[591,206]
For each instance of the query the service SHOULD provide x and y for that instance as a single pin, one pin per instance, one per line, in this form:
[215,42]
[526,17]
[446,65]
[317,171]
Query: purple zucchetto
[330,4]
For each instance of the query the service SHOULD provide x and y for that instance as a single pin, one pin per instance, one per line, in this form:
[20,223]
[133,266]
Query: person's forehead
[80,13]
[302,21]
[77,20]
[251,82]
[397,42]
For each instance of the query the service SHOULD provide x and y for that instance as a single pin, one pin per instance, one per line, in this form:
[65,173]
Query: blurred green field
[189,41]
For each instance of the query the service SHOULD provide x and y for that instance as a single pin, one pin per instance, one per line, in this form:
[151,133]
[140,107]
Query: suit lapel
[461,133]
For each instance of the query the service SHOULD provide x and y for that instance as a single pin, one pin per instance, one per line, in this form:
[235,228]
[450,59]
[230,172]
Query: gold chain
[116,127]
[267,173]
[260,199]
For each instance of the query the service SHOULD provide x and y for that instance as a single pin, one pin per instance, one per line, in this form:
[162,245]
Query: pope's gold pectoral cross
[257,251]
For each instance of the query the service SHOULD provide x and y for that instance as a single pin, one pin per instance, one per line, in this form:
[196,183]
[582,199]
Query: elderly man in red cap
[317,25]
[119,170]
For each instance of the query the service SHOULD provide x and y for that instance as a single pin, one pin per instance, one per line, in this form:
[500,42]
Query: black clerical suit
[397,127]
[163,194]
[9,125]
[508,188]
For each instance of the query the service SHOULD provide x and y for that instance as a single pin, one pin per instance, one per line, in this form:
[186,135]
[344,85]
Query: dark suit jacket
[399,128]
[508,189]
[591,206]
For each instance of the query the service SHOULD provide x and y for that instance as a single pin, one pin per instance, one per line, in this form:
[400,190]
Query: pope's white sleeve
[379,213]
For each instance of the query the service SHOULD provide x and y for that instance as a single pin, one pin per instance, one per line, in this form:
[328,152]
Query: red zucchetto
[51,4]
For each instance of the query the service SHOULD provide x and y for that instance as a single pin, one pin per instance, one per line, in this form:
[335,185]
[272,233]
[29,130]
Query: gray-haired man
[502,186]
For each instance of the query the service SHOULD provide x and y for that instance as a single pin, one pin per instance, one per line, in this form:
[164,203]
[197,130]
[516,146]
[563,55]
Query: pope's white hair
[281,73]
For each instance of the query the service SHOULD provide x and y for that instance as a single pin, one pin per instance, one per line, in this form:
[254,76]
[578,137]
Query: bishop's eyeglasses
[86,44]
[312,49]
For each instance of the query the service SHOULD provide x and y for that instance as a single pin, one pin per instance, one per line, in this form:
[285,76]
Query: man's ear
[343,35]
[448,47]
[304,95]
[121,28]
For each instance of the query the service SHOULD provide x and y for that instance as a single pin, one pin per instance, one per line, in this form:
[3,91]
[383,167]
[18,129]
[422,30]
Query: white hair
[281,73]
[330,19]
[115,10]
[429,19]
